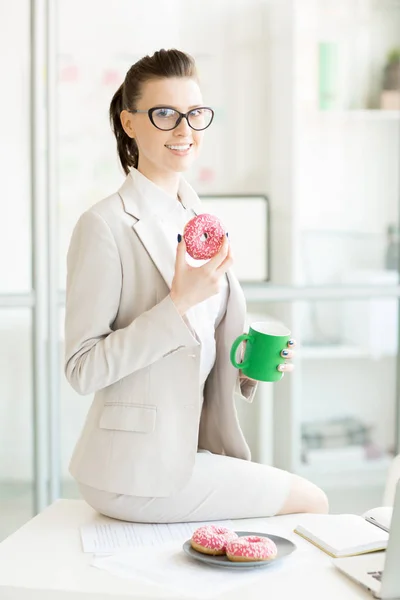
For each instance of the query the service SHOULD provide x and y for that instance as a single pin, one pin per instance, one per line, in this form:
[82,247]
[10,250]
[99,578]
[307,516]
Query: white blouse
[207,315]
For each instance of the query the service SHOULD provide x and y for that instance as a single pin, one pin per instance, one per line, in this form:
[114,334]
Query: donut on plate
[251,548]
[212,539]
[204,236]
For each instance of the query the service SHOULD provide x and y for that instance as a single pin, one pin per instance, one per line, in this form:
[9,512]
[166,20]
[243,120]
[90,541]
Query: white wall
[257,65]
[14,147]
[95,50]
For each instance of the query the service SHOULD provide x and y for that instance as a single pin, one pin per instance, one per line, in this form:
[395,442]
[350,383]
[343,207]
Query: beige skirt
[220,487]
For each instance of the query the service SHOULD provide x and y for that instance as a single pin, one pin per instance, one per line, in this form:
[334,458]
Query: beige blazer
[126,342]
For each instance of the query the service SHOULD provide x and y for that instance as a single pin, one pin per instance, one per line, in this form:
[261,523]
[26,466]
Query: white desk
[44,561]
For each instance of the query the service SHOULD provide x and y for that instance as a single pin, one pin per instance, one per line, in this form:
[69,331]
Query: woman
[150,334]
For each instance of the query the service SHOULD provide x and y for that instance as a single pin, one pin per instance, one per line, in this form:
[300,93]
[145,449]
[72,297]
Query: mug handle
[234,348]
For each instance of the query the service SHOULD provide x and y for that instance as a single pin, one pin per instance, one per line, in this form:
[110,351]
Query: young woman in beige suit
[150,334]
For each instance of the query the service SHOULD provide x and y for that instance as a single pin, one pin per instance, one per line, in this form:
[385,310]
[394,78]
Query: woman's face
[165,151]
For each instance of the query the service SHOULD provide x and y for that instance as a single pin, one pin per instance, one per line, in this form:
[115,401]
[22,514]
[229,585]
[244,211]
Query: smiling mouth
[179,147]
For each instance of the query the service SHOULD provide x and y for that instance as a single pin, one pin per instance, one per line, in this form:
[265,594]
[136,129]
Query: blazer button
[192,355]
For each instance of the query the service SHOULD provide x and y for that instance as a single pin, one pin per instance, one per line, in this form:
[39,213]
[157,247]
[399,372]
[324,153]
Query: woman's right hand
[192,285]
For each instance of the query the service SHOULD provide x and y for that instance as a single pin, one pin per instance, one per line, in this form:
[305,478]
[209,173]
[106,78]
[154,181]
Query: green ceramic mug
[265,342]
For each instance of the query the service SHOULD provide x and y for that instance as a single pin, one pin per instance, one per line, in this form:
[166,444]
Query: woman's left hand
[285,367]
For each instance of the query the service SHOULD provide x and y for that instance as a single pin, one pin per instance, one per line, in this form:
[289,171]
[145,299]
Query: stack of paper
[107,536]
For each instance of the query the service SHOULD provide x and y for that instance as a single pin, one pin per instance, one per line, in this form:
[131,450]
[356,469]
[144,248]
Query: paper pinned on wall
[247,221]
[109,536]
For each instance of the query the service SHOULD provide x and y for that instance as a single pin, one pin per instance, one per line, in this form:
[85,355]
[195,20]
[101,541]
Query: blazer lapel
[149,228]
[153,237]
[136,197]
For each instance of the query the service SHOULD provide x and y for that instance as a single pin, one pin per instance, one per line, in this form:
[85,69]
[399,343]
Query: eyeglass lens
[166,118]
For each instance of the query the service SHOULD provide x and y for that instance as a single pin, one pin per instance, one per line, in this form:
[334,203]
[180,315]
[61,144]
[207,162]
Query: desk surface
[45,557]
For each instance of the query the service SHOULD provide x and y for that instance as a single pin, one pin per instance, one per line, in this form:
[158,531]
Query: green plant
[393,56]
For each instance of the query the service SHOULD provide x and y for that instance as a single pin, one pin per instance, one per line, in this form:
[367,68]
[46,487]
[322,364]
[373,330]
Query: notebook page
[342,533]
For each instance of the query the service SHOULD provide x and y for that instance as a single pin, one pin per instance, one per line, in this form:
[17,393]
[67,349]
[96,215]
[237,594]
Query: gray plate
[284,546]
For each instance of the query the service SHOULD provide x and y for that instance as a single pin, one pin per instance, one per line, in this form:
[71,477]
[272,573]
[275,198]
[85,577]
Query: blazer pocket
[129,417]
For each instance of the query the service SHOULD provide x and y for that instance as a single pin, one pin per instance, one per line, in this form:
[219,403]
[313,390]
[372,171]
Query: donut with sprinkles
[204,236]
[212,539]
[251,548]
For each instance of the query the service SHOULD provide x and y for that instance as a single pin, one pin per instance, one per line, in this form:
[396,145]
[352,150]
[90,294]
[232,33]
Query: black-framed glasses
[167,118]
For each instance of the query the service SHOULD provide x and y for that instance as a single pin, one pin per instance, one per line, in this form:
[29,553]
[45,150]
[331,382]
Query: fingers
[287,354]
[218,259]
[226,263]
[242,349]
[285,368]
[181,252]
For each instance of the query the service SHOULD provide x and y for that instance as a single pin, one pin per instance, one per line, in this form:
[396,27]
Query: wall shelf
[330,351]
[339,351]
[360,115]
[348,473]
[268,292]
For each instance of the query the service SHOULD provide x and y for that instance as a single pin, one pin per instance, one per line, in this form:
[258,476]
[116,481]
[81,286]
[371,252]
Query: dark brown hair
[163,63]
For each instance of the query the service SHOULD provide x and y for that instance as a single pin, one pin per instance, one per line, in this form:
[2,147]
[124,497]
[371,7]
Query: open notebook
[347,535]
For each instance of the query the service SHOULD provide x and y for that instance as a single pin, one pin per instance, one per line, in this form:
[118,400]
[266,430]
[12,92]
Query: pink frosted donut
[211,539]
[204,236]
[251,548]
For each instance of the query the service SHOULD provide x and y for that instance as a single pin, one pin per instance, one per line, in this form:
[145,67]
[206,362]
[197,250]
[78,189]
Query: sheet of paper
[110,536]
[171,568]
[168,566]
